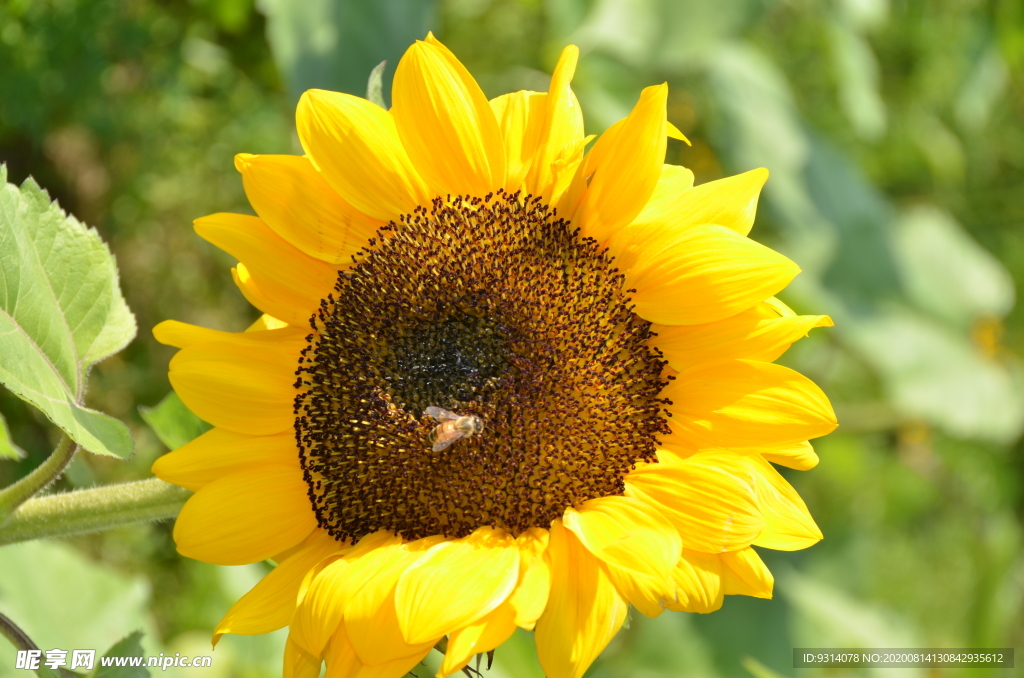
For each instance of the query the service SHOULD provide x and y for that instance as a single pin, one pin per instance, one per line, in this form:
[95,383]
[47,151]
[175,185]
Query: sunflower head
[500,381]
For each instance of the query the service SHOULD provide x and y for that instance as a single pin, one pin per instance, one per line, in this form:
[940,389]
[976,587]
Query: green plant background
[892,129]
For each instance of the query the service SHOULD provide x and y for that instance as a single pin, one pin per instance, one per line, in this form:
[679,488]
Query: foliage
[892,133]
[61,311]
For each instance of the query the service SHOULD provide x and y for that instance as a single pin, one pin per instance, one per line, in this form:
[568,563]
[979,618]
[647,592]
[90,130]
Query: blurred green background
[892,129]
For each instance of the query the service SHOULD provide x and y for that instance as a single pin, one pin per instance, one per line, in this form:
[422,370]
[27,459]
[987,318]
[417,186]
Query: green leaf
[129,646]
[173,423]
[8,450]
[333,44]
[375,85]
[945,272]
[61,311]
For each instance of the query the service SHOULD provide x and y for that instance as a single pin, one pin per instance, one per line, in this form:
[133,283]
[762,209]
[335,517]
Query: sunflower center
[490,308]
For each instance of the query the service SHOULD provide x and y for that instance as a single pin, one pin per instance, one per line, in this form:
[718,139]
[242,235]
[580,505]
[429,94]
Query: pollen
[490,307]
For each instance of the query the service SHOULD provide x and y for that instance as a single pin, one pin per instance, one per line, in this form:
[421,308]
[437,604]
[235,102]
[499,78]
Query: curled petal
[520,116]
[483,635]
[709,497]
[584,612]
[788,524]
[455,583]
[698,583]
[298,663]
[561,134]
[744,573]
[531,593]
[371,620]
[637,544]
[615,180]
[799,456]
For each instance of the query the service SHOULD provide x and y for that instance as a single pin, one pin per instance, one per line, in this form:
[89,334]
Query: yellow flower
[610,325]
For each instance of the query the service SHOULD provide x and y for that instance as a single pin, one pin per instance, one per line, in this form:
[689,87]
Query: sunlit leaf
[173,423]
[930,372]
[945,272]
[827,616]
[61,311]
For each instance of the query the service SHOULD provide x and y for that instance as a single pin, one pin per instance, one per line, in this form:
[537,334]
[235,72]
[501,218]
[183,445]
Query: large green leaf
[334,44]
[61,311]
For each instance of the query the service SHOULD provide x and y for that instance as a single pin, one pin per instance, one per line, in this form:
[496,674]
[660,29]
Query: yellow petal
[759,333]
[660,207]
[446,124]
[637,544]
[325,590]
[698,583]
[585,610]
[356,147]
[616,179]
[710,498]
[729,202]
[266,322]
[298,663]
[531,593]
[483,635]
[344,662]
[744,403]
[322,607]
[561,134]
[745,574]
[270,604]
[455,583]
[295,201]
[788,524]
[520,116]
[799,456]
[244,385]
[292,282]
[671,454]
[246,517]
[696,275]
[179,334]
[220,452]
[673,133]
[370,618]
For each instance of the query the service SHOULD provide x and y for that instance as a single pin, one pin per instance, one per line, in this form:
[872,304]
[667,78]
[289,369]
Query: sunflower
[499,381]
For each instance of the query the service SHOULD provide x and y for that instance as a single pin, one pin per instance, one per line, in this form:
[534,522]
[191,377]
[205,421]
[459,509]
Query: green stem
[101,508]
[14,496]
[20,640]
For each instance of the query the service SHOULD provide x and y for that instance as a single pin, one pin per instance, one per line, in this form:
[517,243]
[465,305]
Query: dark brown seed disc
[490,307]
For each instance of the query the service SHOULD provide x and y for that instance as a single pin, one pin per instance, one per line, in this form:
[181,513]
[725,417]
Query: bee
[452,427]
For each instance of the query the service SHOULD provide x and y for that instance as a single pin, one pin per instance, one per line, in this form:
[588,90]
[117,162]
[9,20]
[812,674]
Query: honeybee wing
[440,414]
[445,436]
